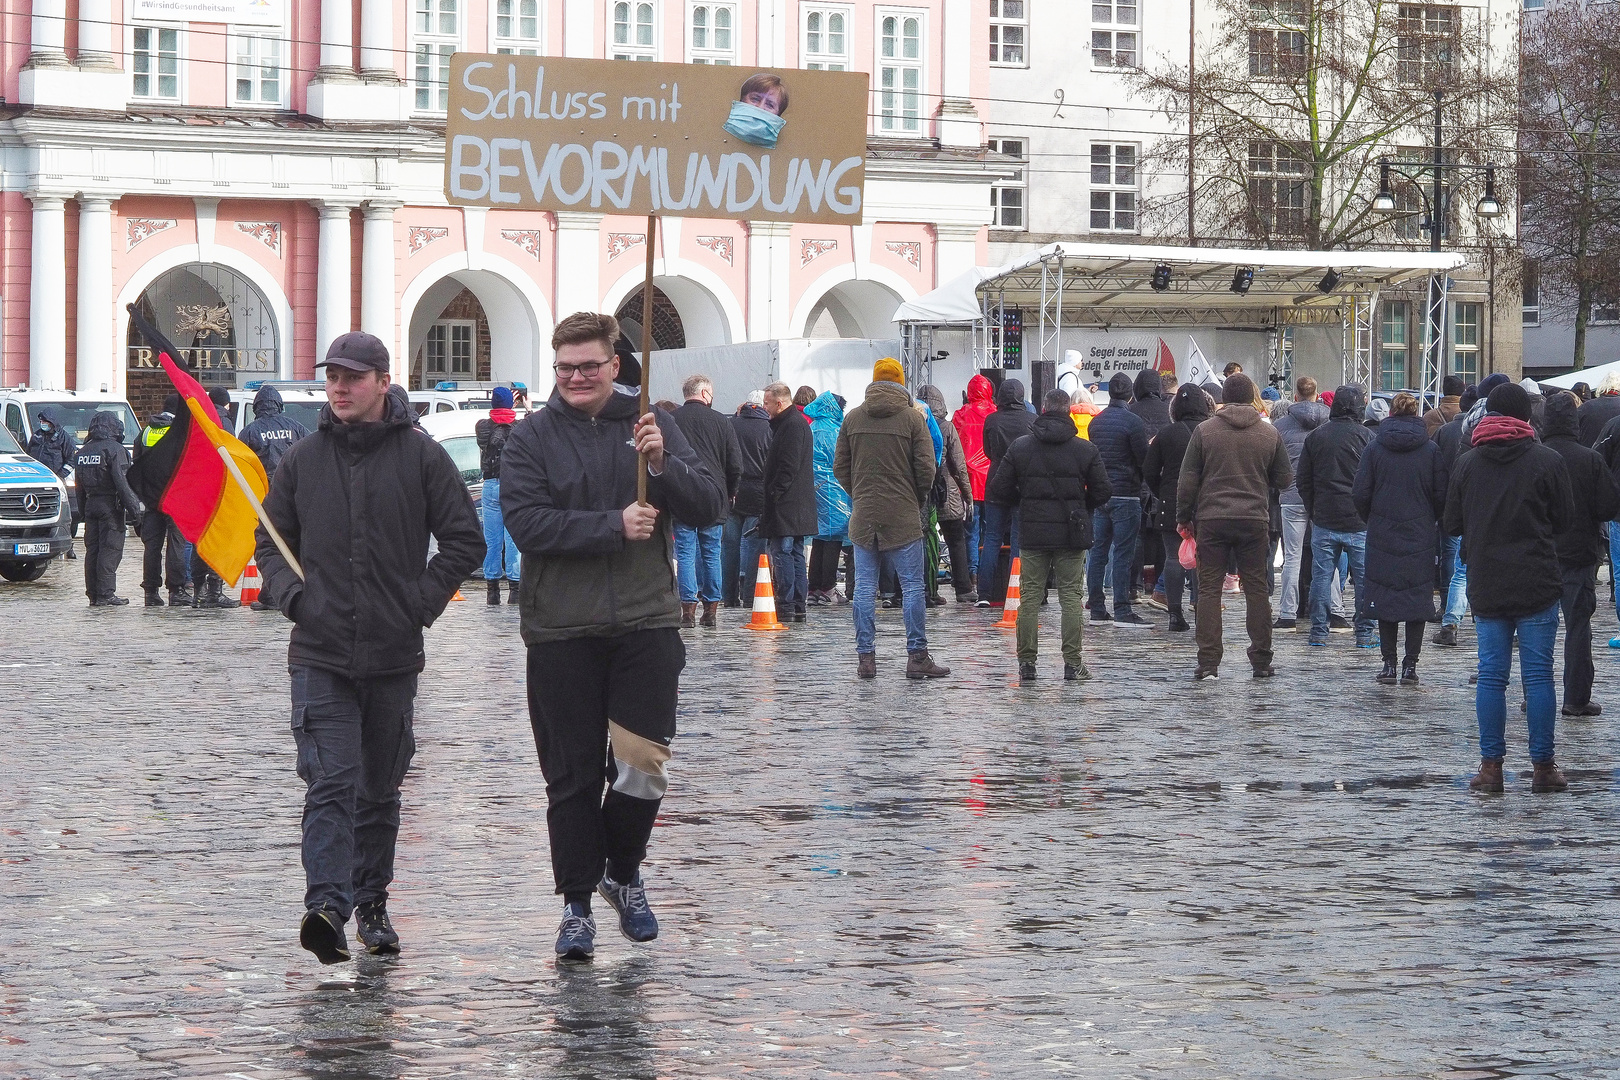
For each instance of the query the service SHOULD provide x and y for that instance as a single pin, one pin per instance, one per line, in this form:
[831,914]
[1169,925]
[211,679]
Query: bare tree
[1295,102]
[1570,158]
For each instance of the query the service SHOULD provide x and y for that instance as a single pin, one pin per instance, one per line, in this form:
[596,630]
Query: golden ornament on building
[198,319]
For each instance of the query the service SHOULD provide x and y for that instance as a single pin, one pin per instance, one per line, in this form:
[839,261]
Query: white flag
[1198,370]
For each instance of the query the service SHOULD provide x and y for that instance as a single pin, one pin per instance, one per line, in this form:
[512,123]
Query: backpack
[489,455]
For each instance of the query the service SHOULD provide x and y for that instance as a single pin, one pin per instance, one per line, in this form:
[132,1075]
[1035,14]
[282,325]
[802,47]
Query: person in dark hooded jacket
[1058,481]
[164,557]
[789,518]
[50,444]
[1596,413]
[1148,401]
[1400,491]
[1122,439]
[1580,547]
[104,495]
[1162,472]
[272,432]
[1009,423]
[1509,499]
[1327,473]
[1304,416]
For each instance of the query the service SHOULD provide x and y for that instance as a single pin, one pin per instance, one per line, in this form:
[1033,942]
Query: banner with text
[233,12]
[686,140]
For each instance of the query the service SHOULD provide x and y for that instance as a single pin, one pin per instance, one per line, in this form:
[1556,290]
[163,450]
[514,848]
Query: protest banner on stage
[689,140]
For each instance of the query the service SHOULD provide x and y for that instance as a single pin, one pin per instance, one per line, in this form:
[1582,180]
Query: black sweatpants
[956,543]
[824,555]
[103,545]
[587,695]
[1388,631]
[162,566]
[1579,602]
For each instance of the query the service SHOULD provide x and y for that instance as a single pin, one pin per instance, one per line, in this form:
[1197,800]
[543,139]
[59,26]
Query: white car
[455,396]
[301,401]
[20,410]
[34,515]
[456,432]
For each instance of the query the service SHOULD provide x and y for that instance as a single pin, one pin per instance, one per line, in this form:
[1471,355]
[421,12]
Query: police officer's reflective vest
[151,435]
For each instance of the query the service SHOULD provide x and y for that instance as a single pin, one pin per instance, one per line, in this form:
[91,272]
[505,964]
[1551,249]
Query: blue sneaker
[1614,643]
[636,920]
[1367,643]
[576,937]
[1318,642]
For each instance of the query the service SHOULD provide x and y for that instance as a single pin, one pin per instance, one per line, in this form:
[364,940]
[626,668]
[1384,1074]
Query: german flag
[184,475]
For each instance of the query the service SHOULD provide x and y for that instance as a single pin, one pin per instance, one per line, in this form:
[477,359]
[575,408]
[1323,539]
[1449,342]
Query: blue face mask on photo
[754,125]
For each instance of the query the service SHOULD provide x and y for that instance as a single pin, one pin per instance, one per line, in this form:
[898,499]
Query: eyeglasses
[567,371]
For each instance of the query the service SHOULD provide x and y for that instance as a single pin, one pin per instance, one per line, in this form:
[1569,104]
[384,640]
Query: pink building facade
[262,184]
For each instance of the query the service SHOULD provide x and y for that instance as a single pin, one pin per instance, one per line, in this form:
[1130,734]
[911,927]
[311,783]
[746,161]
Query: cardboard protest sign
[690,140]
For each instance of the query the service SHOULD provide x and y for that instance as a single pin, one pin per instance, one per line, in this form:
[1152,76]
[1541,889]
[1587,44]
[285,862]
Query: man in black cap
[1121,438]
[356,502]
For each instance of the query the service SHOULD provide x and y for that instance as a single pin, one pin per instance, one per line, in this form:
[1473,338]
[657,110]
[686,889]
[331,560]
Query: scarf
[1494,428]
[503,416]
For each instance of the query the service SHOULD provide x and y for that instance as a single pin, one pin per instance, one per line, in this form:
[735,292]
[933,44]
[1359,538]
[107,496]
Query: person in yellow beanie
[888,369]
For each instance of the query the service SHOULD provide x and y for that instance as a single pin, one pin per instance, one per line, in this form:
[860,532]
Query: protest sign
[688,140]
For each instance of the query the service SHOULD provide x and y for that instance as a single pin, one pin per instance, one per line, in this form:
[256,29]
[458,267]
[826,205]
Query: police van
[22,408]
[35,520]
[453,396]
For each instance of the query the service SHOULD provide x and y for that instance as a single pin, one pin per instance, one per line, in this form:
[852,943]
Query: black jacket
[1057,479]
[356,503]
[1591,485]
[55,450]
[100,465]
[1121,438]
[1400,491]
[790,477]
[566,478]
[753,427]
[491,439]
[1449,438]
[1010,422]
[1509,501]
[714,438]
[1162,469]
[1150,403]
[1595,415]
[1328,463]
[272,433]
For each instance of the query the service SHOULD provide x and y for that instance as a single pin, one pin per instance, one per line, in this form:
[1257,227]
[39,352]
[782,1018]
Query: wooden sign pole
[646,351]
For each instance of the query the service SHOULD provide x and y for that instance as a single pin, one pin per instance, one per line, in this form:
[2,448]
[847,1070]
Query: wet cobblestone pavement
[1134,877]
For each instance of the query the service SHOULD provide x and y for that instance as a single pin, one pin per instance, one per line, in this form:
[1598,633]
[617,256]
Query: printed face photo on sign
[550,133]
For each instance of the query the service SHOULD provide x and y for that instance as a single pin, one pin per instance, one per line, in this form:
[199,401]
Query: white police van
[35,518]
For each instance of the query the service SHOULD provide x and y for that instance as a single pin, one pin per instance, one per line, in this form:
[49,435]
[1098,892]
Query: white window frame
[711,53]
[1388,349]
[1019,184]
[1472,349]
[1000,22]
[449,370]
[276,35]
[436,41]
[825,59]
[517,44]
[1115,29]
[1113,188]
[634,50]
[179,66]
[900,124]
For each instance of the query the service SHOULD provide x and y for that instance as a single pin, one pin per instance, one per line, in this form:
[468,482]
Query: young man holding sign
[601,618]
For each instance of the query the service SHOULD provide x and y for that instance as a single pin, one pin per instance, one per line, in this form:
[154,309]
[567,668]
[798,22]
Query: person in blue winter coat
[826,416]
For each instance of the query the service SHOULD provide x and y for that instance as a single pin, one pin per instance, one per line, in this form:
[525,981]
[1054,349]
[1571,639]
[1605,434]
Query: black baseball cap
[357,351]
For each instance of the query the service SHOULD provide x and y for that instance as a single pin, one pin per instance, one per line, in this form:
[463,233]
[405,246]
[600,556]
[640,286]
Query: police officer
[158,528]
[104,497]
[207,588]
[270,435]
[52,446]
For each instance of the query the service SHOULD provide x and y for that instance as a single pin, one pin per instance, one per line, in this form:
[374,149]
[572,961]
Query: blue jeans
[971,528]
[906,563]
[1000,524]
[1457,592]
[1326,548]
[1614,558]
[496,539]
[1113,528]
[1536,633]
[739,558]
[790,574]
[697,562]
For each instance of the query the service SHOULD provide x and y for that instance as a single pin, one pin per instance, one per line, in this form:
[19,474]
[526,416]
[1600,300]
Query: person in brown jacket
[1234,461]
[885,460]
[1450,404]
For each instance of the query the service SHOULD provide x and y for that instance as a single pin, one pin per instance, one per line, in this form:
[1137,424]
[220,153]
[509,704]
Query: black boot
[1387,675]
[1178,622]
[494,592]
[218,597]
[153,599]
[1409,671]
[511,592]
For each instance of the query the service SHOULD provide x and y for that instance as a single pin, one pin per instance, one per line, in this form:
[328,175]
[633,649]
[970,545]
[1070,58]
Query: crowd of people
[1135,495]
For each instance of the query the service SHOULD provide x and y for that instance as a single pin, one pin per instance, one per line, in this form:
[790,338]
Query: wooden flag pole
[258,508]
[646,351]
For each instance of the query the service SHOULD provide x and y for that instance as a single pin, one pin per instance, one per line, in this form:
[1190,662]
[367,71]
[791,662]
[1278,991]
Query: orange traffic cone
[458,596]
[764,617]
[250,583]
[1009,614]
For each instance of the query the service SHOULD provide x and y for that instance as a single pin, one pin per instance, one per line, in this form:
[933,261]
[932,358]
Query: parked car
[452,396]
[20,410]
[35,519]
[456,432]
[301,400]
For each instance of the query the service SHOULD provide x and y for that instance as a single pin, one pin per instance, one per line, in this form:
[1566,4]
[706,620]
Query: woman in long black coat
[1162,471]
[1400,492]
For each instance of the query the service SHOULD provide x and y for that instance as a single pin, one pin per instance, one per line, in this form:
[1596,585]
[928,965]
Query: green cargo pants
[1070,569]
